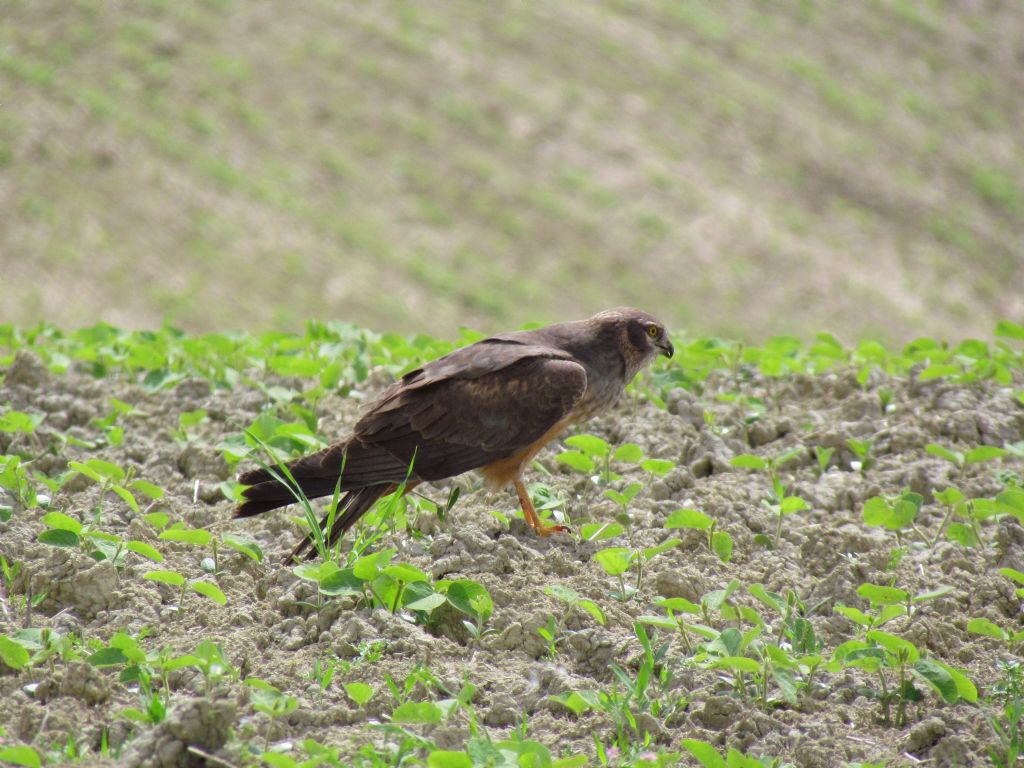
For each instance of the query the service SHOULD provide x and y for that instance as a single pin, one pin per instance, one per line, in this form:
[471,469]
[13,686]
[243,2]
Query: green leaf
[125,494]
[57,537]
[442,758]
[736,664]
[98,470]
[981,626]
[427,604]
[576,702]
[1011,501]
[657,467]
[932,594]
[1012,574]
[629,452]
[173,578]
[721,545]
[938,371]
[206,589]
[158,520]
[405,573]
[949,496]
[578,461]
[600,531]
[984,453]
[705,753]
[962,534]
[938,678]
[196,536]
[665,546]
[62,522]
[748,461]
[945,453]
[12,654]
[678,605]
[246,546]
[369,566]
[614,560]
[593,609]
[141,548]
[964,686]
[880,595]
[317,572]
[417,712]
[791,504]
[108,657]
[591,445]
[1010,330]
[470,597]
[360,693]
[147,488]
[21,755]
[894,644]
[689,518]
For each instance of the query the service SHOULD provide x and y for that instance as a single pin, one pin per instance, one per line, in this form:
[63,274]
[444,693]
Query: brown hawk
[491,406]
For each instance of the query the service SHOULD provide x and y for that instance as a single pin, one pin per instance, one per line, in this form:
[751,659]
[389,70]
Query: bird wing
[453,418]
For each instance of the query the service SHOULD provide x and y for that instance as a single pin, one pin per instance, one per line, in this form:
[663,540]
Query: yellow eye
[652,331]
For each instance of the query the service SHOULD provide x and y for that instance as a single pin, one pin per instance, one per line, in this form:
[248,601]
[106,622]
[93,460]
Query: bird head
[641,336]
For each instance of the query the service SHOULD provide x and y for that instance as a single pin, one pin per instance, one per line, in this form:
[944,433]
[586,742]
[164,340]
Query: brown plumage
[492,406]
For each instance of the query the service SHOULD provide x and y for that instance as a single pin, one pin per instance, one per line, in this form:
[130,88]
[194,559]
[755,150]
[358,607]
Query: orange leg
[531,514]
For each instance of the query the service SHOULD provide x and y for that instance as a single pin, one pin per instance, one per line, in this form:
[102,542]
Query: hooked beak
[665,346]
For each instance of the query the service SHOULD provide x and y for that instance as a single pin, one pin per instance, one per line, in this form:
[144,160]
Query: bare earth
[824,554]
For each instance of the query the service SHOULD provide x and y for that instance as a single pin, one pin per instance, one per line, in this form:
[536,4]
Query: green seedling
[963,460]
[895,513]
[1012,637]
[65,531]
[185,434]
[21,754]
[553,635]
[822,457]
[269,700]
[780,503]
[593,456]
[861,449]
[200,587]
[709,757]
[20,484]
[897,662]
[553,631]
[1004,712]
[719,542]
[154,701]
[113,433]
[616,561]
[24,604]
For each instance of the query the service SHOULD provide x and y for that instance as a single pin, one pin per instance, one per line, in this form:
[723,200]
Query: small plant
[861,449]
[719,542]
[616,561]
[779,502]
[822,458]
[897,663]
[1005,715]
[269,700]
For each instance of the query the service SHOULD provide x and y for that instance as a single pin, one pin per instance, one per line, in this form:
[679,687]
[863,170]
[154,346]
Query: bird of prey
[490,406]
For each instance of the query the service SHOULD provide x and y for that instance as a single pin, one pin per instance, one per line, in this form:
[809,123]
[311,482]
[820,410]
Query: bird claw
[543,530]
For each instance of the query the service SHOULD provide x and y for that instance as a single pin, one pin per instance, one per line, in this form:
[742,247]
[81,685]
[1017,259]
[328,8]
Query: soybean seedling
[779,502]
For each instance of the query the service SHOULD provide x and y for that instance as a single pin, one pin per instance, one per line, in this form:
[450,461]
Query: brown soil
[824,554]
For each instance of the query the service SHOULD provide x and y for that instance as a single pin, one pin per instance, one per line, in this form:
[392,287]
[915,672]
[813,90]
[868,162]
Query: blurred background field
[745,168]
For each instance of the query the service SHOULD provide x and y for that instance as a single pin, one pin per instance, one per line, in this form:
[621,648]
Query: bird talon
[546,530]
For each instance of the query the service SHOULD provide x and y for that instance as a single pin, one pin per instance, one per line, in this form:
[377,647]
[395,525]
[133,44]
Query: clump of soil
[269,629]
